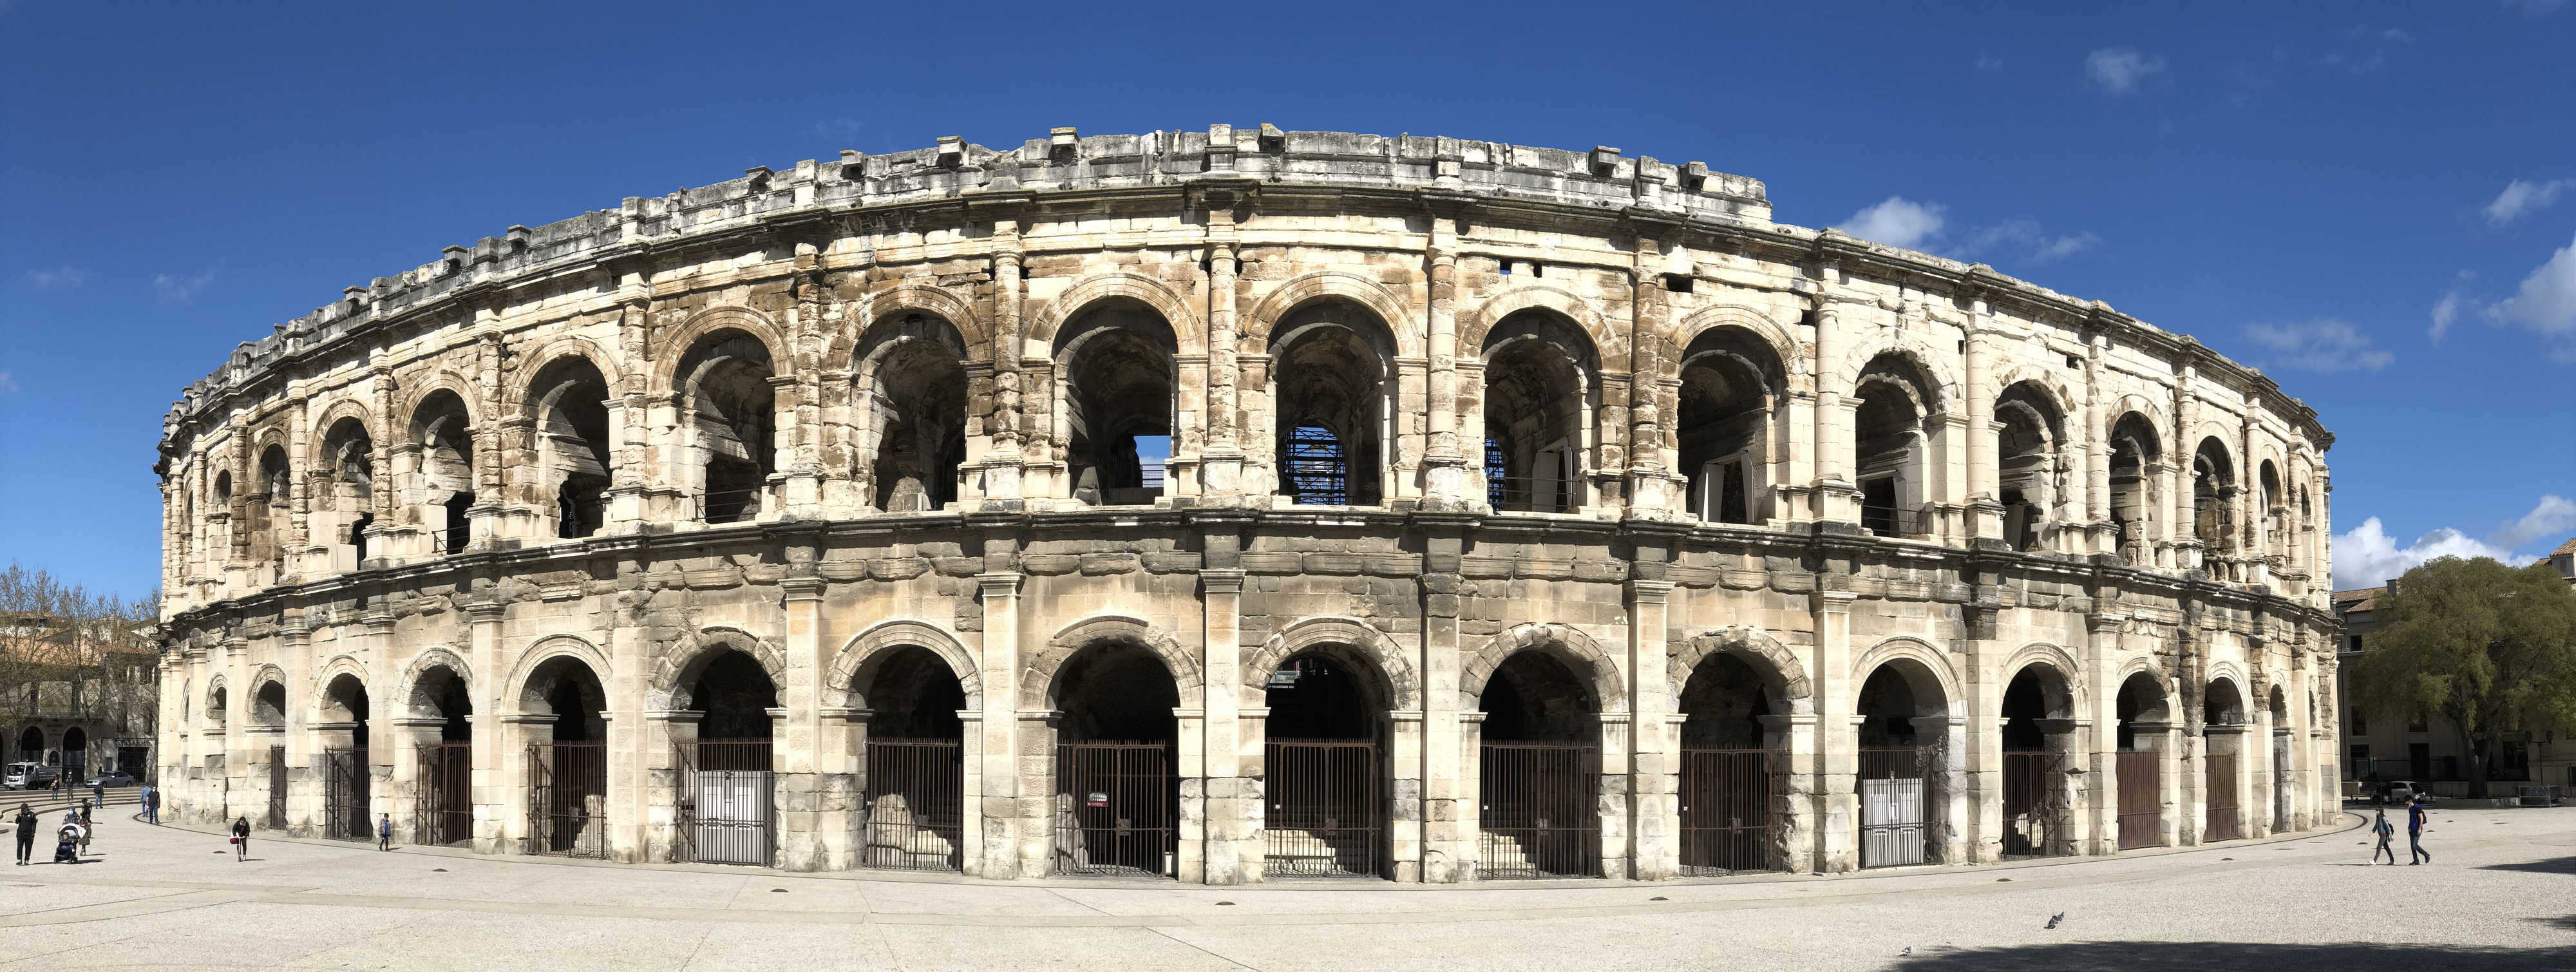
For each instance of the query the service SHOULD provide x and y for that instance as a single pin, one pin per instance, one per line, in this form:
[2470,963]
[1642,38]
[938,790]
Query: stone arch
[535,363]
[671,350]
[515,691]
[263,712]
[674,668]
[1037,680]
[1791,355]
[1323,284]
[1781,671]
[1916,661]
[408,691]
[860,657]
[2046,381]
[436,381]
[1566,643]
[1473,326]
[1926,361]
[341,408]
[218,698]
[1187,330]
[318,691]
[1404,682]
[2070,680]
[2225,675]
[2146,409]
[872,309]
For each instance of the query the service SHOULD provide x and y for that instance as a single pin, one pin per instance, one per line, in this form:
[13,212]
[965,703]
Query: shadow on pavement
[2231,956]
[2554,865]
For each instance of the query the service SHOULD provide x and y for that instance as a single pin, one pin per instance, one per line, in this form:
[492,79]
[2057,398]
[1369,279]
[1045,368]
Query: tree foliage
[2493,647]
[65,650]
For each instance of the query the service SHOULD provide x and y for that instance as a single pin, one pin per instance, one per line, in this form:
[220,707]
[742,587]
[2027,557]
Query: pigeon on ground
[1909,950]
[2054,919]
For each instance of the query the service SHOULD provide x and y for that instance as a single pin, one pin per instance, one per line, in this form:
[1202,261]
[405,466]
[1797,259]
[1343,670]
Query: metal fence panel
[1325,815]
[1540,810]
[2222,797]
[446,795]
[728,810]
[2141,799]
[277,788]
[568,799]
[1727,818]
[2030,804]
[914,818]
[1896,796]
[344,795]
[1115,807]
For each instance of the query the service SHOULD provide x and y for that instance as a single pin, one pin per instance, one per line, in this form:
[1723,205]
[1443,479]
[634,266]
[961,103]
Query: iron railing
[2031,803]
[2141,782]
[1889,521]
[446,795]
[2221,797]
[1325,814]
[915,821]
[1539,809]
[1896,795]
[277,787]
[729,505]
[1115,804]
[344,795]
[568,799]
[727,810]
[1727,820]
[1531,494]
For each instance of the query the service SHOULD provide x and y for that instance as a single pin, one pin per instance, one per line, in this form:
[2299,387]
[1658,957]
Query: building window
[2359,726]
[2356,642]
[1496,469]
[2420,723]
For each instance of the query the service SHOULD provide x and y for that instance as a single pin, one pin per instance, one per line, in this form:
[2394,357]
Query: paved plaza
[2497,898]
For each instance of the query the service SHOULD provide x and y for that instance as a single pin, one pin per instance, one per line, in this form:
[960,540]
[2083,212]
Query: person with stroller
[67,839]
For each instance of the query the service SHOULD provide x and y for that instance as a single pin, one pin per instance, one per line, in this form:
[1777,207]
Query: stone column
[1985,508]
[2095,444]
[1002,466]
[1837,759]
[1470,787]
[490,784]
[1833,488]
[2101,666]
[1006,814]
[1406,845]
[1234,798]
[1654,777]
[410,786]
[303,759]
[1797,743]
[1446,461]
[820,771]
[1959,840]
[1449,750]
[514,775]
[1222,471]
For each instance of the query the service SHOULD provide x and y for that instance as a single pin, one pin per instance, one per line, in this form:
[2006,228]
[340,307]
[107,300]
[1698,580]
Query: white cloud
[843,128]
[62,278]
[1896,222]
[2444,313]
[2324,344]
[2368,557]
[7,384]
[2025,233]
[2522,197]
[2546,303]
[2554,515]
[174,290]
[2120,70]
[1989,62]
[2535,8]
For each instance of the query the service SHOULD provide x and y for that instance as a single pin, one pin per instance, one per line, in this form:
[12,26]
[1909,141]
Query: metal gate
[2030,802]
[1325,810]
[568,799]
[344,795]
[727,802]
[1895,799]
[1540,810]
[277,788]
[1726,813]
[1115,803]
[2141,799]
[915,822]
[2222,797]
[446,794]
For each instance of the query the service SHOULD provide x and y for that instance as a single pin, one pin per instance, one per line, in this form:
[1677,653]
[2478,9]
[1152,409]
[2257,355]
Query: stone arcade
[1238,504]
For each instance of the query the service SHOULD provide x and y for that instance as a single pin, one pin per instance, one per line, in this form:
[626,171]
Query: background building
[1239,504]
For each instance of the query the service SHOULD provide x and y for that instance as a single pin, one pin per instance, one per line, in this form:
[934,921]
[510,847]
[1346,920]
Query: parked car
[2399,793]
[31,776]
[111,778]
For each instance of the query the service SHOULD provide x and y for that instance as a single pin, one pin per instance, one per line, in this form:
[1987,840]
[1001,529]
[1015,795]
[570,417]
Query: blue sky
[2376,203]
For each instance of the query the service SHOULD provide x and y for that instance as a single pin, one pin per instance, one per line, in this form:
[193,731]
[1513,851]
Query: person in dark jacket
[2380,828]
[241,839]
[26,821]
[384,831]
[2415,832]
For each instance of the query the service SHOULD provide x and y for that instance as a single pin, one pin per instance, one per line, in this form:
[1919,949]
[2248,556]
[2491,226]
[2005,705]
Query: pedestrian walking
[98,791]
[151,802]
[26,821]
[384,831]
[2415,832]
[88,827]
[2386,833]
[241,839]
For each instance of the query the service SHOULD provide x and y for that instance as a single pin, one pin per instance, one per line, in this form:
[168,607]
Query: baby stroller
[67,846]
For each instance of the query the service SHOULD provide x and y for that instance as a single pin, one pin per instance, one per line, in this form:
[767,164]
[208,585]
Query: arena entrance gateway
[915,765]
[1899,770]
[1538,772]
[727,803]
[1117,793]
[1323,786]
[1727,820]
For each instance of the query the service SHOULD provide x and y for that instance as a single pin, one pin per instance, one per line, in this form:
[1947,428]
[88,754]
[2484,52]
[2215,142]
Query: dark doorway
[1539,772]
[445,790]
[728,812]
[567,760]
[916,765]
[1728,820]
[1898,771]
[1323,776]
[1117,795]
[2034,776]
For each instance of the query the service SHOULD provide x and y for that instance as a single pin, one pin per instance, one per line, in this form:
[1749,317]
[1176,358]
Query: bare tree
[65,651]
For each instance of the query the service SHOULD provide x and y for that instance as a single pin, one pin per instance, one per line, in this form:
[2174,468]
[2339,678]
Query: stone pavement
[2495,899]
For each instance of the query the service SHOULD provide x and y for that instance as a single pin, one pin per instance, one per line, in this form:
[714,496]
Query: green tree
[2490,646]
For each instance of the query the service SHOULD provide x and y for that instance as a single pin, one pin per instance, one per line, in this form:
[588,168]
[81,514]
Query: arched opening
[1732,793]
[268,757]
[2143,725]
[1323,766]
[1331,397]
[2030,475]
[268,705]
[2284,768]
[1892,403]
[347,760]
[569,401]
[446,767]
[1117,792]
[272,509]
[2039,746]
[445,439]
[1538,771]
[75,757]
[2213,492]
[729,410]
[346,507]
[728,812]
[1730,387]
[31,746]
[914,390]
[1115,396]
[222,511]
[2275,513]
[1903,724]
[219,708]
[2222,739]
[562,708]
[2137,462]
[1538,407]
[915,763]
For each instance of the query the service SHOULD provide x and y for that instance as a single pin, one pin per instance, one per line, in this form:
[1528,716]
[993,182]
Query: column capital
[1649,591]
[999,584]
[1221,580]
[802,588]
